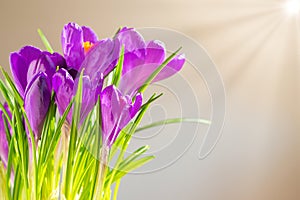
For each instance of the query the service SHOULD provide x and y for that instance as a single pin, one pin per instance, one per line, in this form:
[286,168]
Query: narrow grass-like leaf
[137,153]
[118,70]
[17,183]
[33,147]
[46,132]
[152,99]
[95,168]
[57,133]
[120,140]
[131,166]
[73,138]
[174,121]
[5,114]
[15,92]
[23,146]
[128,138]
[78,182]
[116,189]
[5,94]
[3,185]
[11,155]
[45,41]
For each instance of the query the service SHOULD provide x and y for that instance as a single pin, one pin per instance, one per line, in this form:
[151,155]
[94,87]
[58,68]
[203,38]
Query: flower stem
[102,172]
[116,189]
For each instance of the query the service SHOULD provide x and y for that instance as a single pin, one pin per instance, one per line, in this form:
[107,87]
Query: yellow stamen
[87,46]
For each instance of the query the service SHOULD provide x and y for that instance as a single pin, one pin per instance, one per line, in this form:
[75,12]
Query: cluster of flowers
[37,74]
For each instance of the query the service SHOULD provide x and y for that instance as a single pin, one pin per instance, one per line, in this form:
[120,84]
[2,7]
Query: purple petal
[101,58]
[132,40]
[19,70]
[57,59]
[172,68]
[89,35]
[117,110]
[19,62]
[110,114]
[37,101]
[106,111]
[139,69]
[30,53]
[137,105]
[131,60]
[155,52]
[135,78]
[29,61]
[43,64]
[88,97]
[90,94]
[62,83]
[72,72]
[134,45]
[72,40]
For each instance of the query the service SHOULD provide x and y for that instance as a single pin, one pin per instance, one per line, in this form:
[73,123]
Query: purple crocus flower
[83,51]
[3,140]
[65,88]
[117,110]
[29,61]
[32,70]
[37,101]
[63,84]
[90,95]
[141,59]
[76,41]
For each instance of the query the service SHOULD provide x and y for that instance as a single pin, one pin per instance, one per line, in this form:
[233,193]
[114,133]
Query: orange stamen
[87,46]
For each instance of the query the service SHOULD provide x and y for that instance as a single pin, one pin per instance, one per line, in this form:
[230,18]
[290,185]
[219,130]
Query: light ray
[292,7]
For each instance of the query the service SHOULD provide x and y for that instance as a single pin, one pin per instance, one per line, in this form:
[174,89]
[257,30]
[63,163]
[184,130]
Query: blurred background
[255,46]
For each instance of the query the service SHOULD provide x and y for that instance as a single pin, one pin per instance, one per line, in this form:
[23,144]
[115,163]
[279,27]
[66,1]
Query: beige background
[255,46]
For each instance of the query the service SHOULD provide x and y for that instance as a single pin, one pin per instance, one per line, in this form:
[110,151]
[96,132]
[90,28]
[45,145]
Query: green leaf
[3,186]
[120,139]
[22,146]
[47,131]
[118,69]
[98,138]
[174,121]
[137,153]
[5,114]
[152,99]
[5,94]
[7,131]
[17,183]
[11,155]
[131,166]
[45,41]
[10,83]
[73,138]
[128,138]
[34,154]
[56,136]
[83,174]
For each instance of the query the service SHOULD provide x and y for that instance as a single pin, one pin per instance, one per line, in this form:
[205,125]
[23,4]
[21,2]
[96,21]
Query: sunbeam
[292,7]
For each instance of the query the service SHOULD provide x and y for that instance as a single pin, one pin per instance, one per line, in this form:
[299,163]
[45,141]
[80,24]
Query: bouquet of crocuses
[66,116]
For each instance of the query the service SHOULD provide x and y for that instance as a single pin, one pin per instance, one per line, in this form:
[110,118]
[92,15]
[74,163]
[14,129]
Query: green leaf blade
[45,41]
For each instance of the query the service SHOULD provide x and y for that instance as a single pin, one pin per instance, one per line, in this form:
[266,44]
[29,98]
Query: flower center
[87,46]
